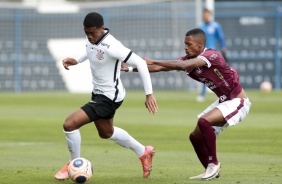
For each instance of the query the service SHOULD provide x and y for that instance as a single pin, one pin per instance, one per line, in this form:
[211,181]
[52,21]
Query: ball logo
[78,163]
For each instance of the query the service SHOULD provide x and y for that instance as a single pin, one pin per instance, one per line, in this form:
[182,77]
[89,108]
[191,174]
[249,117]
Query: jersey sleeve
[204,56]
[83,57]
[211,57]
[143,71]
[119,51]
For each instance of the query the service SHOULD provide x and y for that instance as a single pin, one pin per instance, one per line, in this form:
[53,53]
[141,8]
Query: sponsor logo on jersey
[213,57]
[221,77]
[100,54]
[105,45]
[98,91]
[222,98]
[202,79]
[199,70]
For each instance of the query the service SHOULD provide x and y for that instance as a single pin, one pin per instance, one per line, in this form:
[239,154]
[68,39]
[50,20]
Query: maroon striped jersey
[216,75]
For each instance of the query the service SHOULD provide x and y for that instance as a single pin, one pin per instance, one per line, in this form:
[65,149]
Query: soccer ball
[266,86]
[80,170]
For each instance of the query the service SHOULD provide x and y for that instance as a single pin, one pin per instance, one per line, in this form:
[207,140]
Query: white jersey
[105,58]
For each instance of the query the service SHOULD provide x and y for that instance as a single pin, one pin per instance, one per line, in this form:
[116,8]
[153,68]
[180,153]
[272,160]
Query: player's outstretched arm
[177,64]
[152,68]
[155,68]
[69,62]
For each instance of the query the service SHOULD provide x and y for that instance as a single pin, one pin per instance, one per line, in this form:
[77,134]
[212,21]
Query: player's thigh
[75,120]
[215,117]
[104,127]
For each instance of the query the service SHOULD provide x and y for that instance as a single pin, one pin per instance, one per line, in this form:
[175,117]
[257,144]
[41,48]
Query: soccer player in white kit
[105,54]
[210,68]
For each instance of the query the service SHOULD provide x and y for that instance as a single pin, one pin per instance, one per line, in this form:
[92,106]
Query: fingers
[151,104]
[153,108]
[66,66]
[124,67]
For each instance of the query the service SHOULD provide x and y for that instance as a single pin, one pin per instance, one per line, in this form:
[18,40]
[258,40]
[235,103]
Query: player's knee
[105,134]
[203,123]
[69,125]
[194,136]
[191,137]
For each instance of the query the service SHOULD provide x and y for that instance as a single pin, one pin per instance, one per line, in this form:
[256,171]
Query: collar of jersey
[107,31]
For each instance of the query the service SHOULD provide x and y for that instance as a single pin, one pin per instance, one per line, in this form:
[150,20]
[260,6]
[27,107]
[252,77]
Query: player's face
[192,47]
[94,34]
[207,17]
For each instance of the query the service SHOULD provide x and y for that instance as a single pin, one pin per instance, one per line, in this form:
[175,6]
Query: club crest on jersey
[100,54]
[213,57]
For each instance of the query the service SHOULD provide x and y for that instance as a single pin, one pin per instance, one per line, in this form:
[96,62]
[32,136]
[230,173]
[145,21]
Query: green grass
[33,145]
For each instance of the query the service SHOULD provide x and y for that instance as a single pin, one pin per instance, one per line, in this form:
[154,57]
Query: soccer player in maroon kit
[209,67]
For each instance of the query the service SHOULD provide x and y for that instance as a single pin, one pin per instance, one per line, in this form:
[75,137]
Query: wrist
[130,69]
[149,93]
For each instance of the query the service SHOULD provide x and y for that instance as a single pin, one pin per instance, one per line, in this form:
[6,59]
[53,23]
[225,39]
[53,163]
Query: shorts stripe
[236,111]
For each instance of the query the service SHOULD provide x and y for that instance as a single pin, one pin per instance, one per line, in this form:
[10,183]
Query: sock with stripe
[209,139]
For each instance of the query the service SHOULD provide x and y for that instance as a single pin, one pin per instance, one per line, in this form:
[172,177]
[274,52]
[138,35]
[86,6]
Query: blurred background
[35,35]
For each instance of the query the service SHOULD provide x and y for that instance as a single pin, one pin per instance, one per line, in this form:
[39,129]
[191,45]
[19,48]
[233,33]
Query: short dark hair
[198,34]
[93,19]
[207,10]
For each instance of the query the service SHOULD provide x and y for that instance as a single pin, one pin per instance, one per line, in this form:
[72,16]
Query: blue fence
[253,32]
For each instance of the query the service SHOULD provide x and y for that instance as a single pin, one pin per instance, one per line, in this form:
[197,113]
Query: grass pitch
[33,146]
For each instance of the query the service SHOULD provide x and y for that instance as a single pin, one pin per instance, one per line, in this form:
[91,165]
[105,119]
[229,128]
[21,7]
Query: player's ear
[201,45]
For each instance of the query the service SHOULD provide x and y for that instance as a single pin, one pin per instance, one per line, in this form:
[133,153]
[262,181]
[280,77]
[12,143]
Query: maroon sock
[209,138]
[200,149]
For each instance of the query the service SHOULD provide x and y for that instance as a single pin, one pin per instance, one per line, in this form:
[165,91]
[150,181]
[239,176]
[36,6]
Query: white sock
[73,141]
[122,138]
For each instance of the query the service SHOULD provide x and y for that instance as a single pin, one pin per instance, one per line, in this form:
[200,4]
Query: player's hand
[124,67]
[149,61]
[151,104]
[69,62]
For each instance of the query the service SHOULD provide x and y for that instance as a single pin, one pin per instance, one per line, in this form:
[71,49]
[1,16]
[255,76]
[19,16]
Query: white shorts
[233,111]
